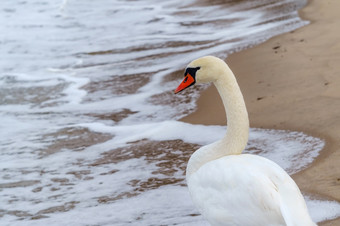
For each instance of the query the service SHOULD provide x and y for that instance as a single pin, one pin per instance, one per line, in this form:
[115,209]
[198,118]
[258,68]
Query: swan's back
[247,190]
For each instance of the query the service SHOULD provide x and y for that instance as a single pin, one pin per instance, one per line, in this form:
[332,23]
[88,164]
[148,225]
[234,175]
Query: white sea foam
[173,206]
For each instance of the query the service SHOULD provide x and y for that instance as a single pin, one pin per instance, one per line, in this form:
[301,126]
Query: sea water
[89,130]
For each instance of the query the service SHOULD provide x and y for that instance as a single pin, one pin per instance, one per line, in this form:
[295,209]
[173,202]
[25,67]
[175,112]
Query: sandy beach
[292,82]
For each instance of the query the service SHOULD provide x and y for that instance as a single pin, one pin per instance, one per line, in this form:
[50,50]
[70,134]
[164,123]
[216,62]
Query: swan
[231,188]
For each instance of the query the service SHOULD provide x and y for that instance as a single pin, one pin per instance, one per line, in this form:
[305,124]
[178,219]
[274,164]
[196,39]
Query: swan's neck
[236,137]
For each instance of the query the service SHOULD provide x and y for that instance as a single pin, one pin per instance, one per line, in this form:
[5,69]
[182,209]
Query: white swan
[230,188]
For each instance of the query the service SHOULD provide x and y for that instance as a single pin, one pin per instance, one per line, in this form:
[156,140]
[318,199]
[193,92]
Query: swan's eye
[192,71]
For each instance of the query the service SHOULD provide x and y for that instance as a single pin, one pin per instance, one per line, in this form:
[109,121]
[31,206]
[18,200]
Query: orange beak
[187,81]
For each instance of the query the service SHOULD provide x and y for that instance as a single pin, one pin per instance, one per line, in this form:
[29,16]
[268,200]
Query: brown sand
[292,82]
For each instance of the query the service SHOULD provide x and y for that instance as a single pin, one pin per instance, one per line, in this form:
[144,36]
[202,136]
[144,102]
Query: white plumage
[230,188]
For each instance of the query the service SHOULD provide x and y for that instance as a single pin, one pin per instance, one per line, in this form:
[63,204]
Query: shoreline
[298,91]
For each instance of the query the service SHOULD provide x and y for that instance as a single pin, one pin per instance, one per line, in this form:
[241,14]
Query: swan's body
[230,188]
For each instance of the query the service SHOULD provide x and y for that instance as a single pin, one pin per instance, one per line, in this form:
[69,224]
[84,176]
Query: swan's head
[202,70]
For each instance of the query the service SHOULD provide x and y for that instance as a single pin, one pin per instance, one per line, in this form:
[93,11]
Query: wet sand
[292,82]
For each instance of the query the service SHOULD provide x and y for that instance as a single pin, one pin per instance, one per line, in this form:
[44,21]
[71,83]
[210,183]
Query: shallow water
[88,128]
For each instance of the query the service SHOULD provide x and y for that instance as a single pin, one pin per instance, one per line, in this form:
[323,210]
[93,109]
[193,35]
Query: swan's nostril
[185,80]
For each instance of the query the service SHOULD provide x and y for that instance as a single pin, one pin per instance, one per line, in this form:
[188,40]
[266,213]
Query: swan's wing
[292,204]
[247,190]
[234,191]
